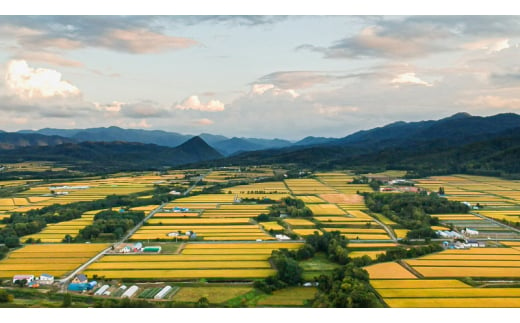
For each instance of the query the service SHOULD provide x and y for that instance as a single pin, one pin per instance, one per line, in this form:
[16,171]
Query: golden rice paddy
[388,270]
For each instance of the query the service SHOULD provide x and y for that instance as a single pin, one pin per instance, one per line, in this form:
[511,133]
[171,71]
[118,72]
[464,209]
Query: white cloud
[489,45]
[204,122]
[409,78]
[261,89]
[28,83]
[332,111]
[193,103]
[115,106]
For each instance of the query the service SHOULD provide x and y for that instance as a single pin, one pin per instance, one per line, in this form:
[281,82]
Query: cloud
[409,78]
[130,34]
[141,41]
[492,101]
[271,89]
[420,36]
[489,45]
[334,111]
[204,122]
[193,103]
[115,106]
[298,79]
[49,58]
[28,83]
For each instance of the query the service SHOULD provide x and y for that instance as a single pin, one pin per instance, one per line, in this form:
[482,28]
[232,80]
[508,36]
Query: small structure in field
[46,279]
[80,279]
[27,278]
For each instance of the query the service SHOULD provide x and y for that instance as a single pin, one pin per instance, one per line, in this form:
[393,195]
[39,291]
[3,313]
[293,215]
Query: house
[80,279]
[46,279]
[28,278]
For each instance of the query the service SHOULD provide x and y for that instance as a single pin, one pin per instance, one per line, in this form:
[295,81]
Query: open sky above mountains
[254,76]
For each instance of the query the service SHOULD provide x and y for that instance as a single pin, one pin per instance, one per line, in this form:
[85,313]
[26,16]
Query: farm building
[28,278]
[80,279]
[155,249]
[46,279]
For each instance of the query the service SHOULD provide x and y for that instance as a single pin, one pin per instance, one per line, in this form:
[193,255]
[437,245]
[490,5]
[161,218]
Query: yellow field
[182,274]
[417,283]
[356,230]
[306,232]
[464,263]
[453,302]
[271,226]
[299,222]
[388,270]
[470,257]
[355,236]
[343,198]
[309,199]
[269,245]
[164,257]
[175,214]
[511,243]
[326,209]
[146,208]
[199,221]
[206,198]
[55,259]
[194,206]
[371,254]
[179,265]
[497,272]
[364,245]
[481,251]
[401,233]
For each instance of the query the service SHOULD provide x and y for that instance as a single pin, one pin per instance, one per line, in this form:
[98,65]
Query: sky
[254,76]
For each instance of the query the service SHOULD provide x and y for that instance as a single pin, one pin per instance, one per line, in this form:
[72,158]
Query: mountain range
[449,144]
[224,145]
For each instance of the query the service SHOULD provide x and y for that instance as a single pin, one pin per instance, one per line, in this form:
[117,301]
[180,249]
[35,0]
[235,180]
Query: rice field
[454,302]
[298,223]
[182,274]
[53,259]
[325,209]
[417,283]
[214,294]
[388,270]
[292,296]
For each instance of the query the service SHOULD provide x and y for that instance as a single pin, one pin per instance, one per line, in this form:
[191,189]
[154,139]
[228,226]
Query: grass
[214,294]
[292,296]
[318,263]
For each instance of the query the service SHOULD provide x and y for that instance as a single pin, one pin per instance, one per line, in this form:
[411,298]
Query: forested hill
[498,156]
[110,156]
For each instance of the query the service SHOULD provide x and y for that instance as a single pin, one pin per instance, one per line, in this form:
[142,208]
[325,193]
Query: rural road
[99,255]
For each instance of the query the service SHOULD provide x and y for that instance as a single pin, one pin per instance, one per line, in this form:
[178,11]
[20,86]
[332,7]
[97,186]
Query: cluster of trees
[348,286]
[111,224]
[5,297]
[373,183]
[295,208]
[412,211]
[33,221]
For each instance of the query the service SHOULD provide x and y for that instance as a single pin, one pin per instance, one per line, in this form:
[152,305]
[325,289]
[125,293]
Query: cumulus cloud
[409,78]
[115,106]
[28,83]
[204,122]
[271,89]
[193,103]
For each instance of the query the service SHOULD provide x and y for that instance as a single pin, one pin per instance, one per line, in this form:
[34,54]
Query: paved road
[201,177]
[99,255]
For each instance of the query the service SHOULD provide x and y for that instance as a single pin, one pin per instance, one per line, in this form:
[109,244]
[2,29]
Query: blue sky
[256,76]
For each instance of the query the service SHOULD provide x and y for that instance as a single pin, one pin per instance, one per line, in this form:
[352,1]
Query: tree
[67,300]
[5,297]
[203,302]
[441,190]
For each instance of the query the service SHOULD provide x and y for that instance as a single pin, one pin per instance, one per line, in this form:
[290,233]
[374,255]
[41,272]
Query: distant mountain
[425,146]
[311,141]
[10,140]
[233,145]
[461,128]
[158,137]
[116,155]
[198,149]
